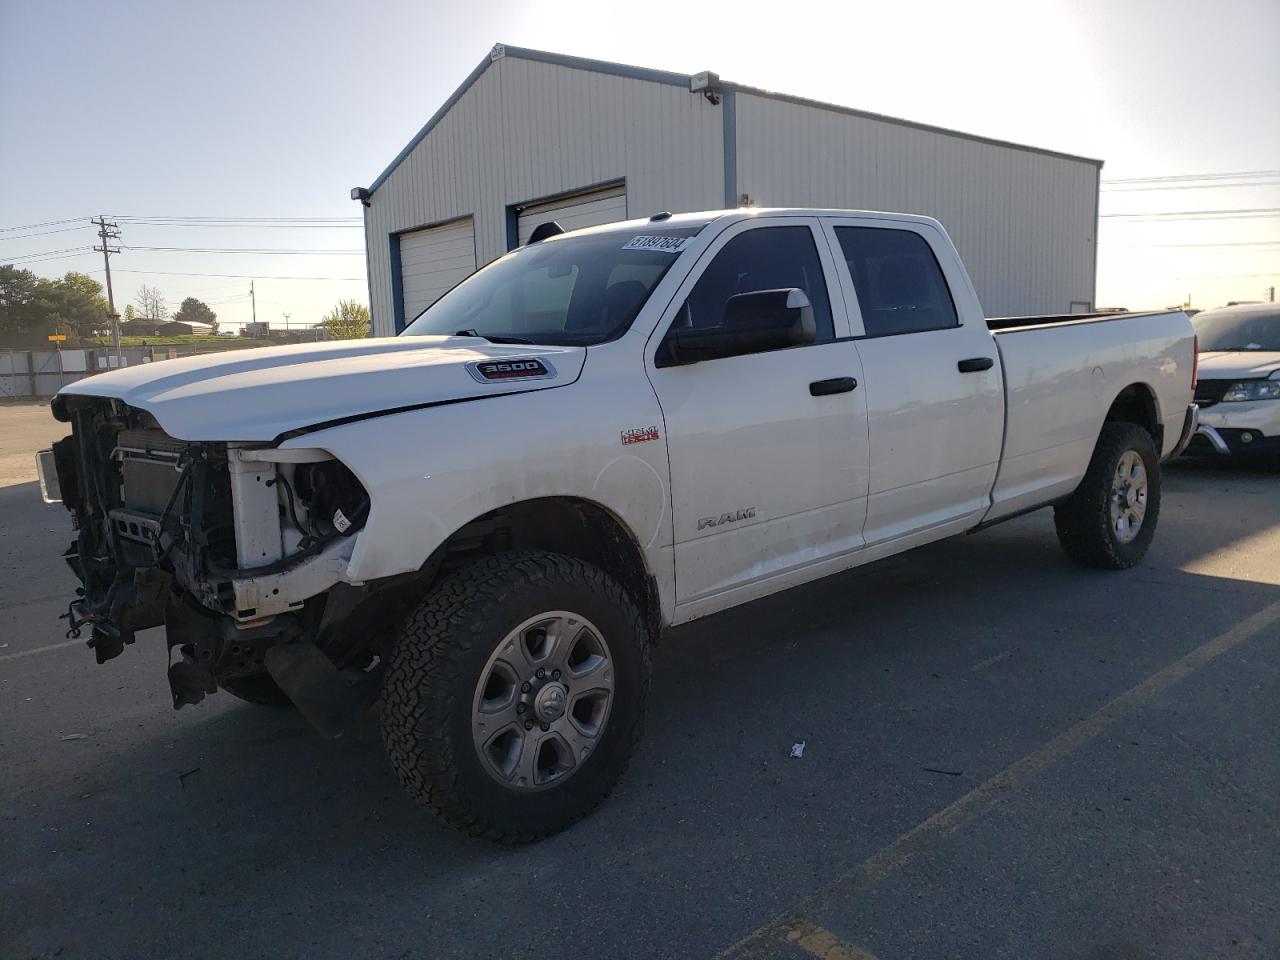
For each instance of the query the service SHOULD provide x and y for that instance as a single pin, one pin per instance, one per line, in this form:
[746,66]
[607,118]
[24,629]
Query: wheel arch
[1137,404]
[571,525]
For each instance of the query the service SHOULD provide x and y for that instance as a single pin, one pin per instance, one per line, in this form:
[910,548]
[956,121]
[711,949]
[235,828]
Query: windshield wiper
[492,338]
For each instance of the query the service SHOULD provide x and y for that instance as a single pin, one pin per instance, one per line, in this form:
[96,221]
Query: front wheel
[514,694]
[1110,519]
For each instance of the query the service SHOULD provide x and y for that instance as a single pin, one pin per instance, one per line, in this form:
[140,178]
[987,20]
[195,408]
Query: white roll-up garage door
[432,261]
[607,205]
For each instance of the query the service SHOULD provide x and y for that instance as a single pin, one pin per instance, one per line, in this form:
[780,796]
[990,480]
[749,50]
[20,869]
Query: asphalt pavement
[1006,756]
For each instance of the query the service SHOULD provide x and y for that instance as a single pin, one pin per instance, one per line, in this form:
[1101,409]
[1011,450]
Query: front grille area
[149,467]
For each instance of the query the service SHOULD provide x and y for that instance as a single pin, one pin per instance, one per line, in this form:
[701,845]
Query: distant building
[176,328]
[141,327]
[262,329]
[531,137]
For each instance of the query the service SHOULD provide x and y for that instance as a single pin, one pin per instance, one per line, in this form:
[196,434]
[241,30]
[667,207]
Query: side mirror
[754,322]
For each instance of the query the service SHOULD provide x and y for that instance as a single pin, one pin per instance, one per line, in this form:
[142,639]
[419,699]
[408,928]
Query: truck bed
[1003,324]
[1061,375]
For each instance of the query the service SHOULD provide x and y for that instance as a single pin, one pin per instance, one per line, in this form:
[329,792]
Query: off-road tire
[434,668]
[1084,521]
[259,688]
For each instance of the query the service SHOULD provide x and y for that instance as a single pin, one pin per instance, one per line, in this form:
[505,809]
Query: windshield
[1238,330]
[562,291]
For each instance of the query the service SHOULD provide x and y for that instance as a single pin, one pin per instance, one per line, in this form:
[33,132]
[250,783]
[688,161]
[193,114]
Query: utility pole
[1271,294]
[254,301]
[286,320]
[108,232]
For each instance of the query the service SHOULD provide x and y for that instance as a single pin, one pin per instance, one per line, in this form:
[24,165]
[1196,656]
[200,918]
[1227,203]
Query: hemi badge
[639,434]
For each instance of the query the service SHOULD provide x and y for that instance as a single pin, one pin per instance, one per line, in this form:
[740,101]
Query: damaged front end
[240,551]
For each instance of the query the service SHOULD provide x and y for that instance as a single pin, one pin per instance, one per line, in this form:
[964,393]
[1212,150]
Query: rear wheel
[514,694]
[1110,519]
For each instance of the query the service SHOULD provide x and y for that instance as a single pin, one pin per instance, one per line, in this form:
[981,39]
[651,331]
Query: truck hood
[257,395]
[1239,364]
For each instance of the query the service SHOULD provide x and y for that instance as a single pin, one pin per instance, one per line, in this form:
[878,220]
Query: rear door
[933,389]
[768,471]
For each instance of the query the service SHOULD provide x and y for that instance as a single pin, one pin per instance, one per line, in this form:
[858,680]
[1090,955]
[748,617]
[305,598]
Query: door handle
[824,388]
[975,364]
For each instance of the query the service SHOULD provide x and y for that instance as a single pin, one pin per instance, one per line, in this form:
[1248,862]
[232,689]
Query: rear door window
[899,284]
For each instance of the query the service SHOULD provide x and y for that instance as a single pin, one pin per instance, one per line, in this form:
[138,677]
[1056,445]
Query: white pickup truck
[486,521]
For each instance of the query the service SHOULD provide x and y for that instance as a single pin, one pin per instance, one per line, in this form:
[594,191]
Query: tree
[151,303]
[349,320]
[130,313]
[196,311]
[77,302]
[20,310]
[32,307]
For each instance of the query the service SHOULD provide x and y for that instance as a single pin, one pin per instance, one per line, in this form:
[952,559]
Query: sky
[274,111]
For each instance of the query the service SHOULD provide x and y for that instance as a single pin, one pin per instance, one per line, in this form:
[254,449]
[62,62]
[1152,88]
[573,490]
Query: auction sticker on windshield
[651,242]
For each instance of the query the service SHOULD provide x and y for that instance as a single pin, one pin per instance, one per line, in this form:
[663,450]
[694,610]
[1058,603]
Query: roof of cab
[703,218]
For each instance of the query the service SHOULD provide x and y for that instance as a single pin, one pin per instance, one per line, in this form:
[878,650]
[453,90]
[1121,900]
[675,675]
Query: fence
[42,373]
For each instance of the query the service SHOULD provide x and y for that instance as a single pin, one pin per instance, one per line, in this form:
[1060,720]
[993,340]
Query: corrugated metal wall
[527,130]
[1024,221]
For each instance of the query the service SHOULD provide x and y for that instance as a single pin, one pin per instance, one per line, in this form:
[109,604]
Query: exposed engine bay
[238,550]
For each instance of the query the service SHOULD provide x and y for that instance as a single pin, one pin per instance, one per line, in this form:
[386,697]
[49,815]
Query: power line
[48,254]
[1196,214]
[137,218]
[233,276]
[252,250]
[1137,188]
[62,256]
[1236,175]
[333,222]
[299,251]
[1227,243]
[43,233]
[47,223]
[253,226]
[1210,276]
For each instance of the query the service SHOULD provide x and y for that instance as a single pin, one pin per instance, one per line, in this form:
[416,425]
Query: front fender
[430,472]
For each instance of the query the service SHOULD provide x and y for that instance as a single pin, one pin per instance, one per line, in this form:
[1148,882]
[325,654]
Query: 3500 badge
[524,368]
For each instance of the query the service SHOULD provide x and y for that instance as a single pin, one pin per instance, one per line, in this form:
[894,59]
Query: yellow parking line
[763,941]
[823,944]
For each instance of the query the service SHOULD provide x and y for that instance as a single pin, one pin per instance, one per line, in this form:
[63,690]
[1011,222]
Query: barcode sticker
[651,242]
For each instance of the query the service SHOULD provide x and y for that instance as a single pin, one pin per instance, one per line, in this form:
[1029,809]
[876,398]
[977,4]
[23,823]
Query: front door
[768,471]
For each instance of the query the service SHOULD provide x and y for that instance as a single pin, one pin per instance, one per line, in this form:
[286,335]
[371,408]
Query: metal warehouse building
[533,136]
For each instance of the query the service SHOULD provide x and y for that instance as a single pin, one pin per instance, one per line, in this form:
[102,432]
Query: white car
[488,520]
[1239,381]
